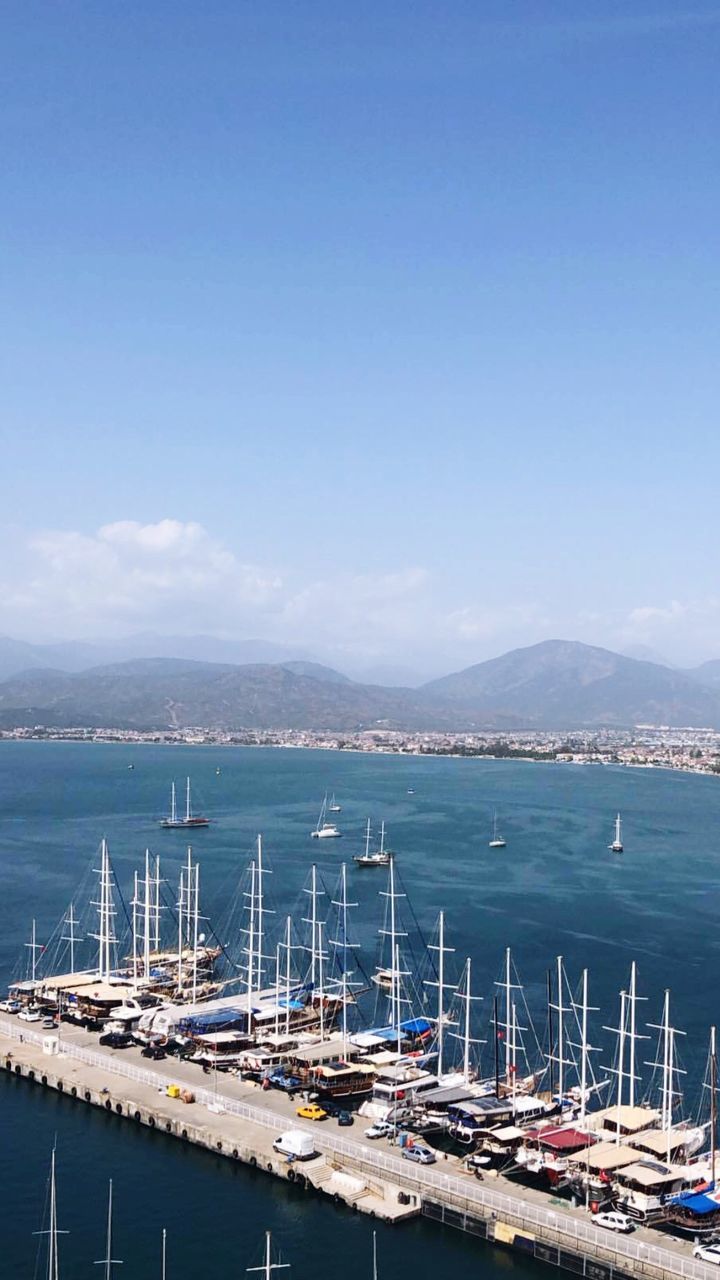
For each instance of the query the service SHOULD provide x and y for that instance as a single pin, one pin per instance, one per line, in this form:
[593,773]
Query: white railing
[429,1178]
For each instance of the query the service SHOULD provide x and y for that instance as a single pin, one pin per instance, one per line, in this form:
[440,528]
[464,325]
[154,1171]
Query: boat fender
[87,1095]
[73,1092]
[253,1162]
[118,1108]
[31,1074]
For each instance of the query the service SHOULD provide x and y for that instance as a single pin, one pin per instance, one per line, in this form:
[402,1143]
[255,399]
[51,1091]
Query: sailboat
[189,820]
[497,841]
[379,857]
[108,1262]
[268,1266]
[617,844]
[52,1233]
[324,830]
[333,807]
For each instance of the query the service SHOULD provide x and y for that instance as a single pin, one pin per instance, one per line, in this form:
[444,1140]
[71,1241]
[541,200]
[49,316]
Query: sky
[389,330]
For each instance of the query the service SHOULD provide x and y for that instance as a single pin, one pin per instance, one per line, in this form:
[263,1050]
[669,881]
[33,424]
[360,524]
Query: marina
[420,1036]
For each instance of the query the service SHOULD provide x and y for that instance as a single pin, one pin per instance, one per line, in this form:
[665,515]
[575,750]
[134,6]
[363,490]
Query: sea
[555,889]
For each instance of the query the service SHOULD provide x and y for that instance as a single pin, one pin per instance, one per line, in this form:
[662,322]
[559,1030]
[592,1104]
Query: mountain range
[557,684]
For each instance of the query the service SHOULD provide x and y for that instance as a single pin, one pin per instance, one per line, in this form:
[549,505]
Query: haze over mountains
[557,684]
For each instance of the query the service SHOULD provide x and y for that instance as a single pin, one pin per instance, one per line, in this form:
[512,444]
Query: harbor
[218,1037]
[238,1125]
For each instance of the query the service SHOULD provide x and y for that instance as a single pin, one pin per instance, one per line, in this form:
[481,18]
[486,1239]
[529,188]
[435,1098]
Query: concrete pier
[240,1122]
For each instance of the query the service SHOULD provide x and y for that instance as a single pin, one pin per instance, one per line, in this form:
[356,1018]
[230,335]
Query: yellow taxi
[311,1111]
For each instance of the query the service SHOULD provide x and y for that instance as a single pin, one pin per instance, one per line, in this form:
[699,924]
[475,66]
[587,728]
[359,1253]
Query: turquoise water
[554,889]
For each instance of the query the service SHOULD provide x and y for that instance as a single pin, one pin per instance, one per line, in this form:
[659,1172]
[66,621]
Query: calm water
[555,889]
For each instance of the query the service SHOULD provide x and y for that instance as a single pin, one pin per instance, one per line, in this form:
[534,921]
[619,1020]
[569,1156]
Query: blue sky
[389,329]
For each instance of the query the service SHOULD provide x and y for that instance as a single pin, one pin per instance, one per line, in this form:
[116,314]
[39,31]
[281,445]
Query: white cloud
[132,575]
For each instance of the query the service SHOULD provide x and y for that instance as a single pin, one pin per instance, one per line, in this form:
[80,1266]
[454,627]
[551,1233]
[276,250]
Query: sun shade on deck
[648,1174]
[564,1139]
[628,1119]
[606,1155]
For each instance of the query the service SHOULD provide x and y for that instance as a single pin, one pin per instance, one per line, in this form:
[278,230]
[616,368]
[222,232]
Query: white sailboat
[189,819]
[497,841]
[617,844]
[52,1233]
[268,1266]
[379,857]
[325,830]
[333,806]
[108,1262]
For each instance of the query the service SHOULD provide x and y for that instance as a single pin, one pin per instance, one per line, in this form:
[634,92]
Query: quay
[241,1122]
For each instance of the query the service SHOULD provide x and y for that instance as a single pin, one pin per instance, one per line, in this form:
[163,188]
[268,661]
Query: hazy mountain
[79,655]
[707,673]
[170,693]
[562,683]
[559,684]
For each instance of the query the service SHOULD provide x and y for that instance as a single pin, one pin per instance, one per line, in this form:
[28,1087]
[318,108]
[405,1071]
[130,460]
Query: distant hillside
[564,684]
[555,685]
[80,655]
[165,693]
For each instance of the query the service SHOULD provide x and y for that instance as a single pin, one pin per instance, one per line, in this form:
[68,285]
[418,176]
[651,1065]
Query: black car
[344,1118]
[116,1040]
[154,1051]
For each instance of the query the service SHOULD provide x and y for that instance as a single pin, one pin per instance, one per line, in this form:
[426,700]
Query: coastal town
[643,747]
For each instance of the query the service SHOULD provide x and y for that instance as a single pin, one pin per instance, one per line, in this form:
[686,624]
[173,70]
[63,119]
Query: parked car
[380,1129]
[49,1024]
[116,1040]
[10,1006]
[612,1220]
[311,1111]
[419,1153]
[708,1253]
[344,1118]
[30,1015]
[155,1051]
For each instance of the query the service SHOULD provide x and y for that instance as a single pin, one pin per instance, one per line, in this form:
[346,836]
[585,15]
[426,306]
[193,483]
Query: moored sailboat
[617,844]
[189,819]
[497,841]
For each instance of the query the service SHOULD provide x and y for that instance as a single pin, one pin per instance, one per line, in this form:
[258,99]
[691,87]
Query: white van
[295,1143]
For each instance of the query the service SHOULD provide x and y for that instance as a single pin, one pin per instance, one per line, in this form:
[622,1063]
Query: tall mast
[196,918]
[187,800]
[621,1060]
[146,918]
[71,921]
[585,1048]
[321,986]
[551,1039]
[108,1262]
[173,804]
[156,906]
[343,943]
[106,915]
[633,998]
[288,945]
[497,1047]
[441,985]
[251,947]
[713,1101]
[508,986]
[135,926]
[268,1266]
[466,1042]
[33,947]
[561,1009]
[668,1094]
[259,914]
